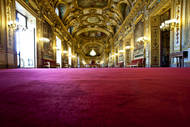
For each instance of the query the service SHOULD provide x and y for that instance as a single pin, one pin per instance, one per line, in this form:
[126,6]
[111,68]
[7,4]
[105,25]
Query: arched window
[123,7]
[128,9]
[62,10]
[57,11]
[70,29]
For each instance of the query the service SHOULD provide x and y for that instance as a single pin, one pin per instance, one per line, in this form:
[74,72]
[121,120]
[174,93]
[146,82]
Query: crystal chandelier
[92,52]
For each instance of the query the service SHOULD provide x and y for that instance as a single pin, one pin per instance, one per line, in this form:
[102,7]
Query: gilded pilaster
[7,40]
[39,34]
[155,41]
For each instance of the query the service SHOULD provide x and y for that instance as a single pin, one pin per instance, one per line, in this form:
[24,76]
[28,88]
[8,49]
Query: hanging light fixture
[92,52]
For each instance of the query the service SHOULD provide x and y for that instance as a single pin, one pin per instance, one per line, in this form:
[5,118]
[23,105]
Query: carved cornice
[50,16]
[128,20]
[159,7]
[29,7]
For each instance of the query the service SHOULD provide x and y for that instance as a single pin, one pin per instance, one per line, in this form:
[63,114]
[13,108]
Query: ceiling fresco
[92,3]
[92,34]
[92,21]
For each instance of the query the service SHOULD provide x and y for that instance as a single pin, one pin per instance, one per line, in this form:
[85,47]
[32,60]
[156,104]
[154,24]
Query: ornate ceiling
[92,22]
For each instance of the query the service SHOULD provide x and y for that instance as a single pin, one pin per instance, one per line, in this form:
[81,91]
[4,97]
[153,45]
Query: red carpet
[155,97]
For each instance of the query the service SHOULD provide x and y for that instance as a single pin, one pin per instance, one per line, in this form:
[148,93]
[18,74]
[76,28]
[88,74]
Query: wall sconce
[102,62]
[64,52]
[113,56]
[121,51]
[55,48]
[169,25]
[142,39]
[12,25]
[127,47]
[83,62]
[16,26]
[73,56]
[43,39]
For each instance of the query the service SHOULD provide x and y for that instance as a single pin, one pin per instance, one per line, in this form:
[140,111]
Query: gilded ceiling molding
[106,6]
[61,2]
[67,8]
[128,20]
[138,19]
[28,8]
[124,1]
[162,7]
[91,29]
[49,14]
[93,42]
[48,20]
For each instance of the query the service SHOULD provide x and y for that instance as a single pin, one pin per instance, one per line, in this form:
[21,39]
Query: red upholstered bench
[53,64]
[50,63]
[121,64]
[137,63]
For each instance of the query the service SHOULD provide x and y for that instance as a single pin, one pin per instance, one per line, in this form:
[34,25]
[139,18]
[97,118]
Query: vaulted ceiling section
[92,23]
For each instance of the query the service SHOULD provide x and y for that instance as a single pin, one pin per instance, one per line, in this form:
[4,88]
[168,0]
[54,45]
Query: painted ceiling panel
[92,3]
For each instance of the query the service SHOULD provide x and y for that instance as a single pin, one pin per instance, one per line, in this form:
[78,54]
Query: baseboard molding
[187,64]
[7,66]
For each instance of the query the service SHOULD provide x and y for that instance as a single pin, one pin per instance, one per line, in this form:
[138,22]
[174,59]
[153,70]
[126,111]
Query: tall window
[70,56]
[21,19]
[58,52]
[25,41]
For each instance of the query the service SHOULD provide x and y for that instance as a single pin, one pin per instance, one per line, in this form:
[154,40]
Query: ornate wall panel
[177,30]
[65,56]
[39,34]
[155,41]
[128,53]
[1,22]
[138,45]
[2,34]
[186,24]
[92,3]
[10,13]
[121,54]
[48,47]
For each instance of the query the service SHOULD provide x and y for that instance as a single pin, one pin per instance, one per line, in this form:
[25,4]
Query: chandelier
[92,52]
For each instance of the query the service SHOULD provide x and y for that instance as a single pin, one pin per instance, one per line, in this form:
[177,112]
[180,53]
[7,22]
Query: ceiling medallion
[92,53]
